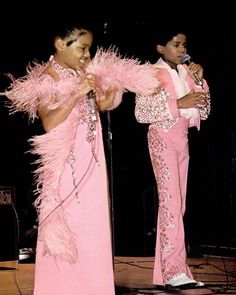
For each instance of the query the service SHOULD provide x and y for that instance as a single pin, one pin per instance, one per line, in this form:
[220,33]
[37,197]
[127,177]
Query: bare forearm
[52,118]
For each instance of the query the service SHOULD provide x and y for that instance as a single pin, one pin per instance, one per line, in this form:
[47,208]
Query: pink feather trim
[53,150]
[126,74]
[25,92]
[112,70]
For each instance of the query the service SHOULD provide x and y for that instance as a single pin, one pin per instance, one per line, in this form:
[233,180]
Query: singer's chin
[179,60]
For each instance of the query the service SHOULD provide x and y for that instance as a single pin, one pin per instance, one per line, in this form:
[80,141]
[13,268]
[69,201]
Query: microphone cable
[93,156]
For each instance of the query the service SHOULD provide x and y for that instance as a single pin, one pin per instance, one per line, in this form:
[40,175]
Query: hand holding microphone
[193,68]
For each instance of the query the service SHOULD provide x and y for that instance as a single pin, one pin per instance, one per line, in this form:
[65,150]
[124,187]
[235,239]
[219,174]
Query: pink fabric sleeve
[25,93]
[205,110]
[125,74]
[173,108]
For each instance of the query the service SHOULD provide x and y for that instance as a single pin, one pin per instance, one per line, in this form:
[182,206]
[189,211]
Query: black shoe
[168,288]
[187,286]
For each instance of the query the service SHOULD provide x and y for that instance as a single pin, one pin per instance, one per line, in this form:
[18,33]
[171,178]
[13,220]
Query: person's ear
[160,49]
[59,44]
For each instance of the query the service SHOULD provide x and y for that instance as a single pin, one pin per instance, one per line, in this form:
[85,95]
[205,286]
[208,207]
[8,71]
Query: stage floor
[133,275]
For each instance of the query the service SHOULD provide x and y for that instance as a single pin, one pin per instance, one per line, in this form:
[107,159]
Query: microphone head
[185,59]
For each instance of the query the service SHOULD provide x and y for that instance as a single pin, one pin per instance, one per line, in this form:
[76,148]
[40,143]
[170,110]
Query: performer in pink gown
[180,101]
[74,253]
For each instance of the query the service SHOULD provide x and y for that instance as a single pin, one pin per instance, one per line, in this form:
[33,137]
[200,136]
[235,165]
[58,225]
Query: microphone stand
[110,168]
[111,186]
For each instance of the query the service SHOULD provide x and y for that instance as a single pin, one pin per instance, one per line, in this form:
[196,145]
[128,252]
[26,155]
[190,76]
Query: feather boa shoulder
[111,69]
[126,74]
[24,92]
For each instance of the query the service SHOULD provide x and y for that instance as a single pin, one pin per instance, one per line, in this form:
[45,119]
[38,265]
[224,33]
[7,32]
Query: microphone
[186,59]
[92,105]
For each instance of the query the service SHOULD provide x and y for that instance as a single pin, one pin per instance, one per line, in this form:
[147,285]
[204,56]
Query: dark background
[211,203]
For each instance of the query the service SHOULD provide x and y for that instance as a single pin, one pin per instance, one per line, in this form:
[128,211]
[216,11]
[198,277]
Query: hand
[88,83]
[192,100]
[194,68]
[109,99]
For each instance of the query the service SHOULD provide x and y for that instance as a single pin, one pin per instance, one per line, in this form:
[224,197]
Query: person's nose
[87,54]
[182,49]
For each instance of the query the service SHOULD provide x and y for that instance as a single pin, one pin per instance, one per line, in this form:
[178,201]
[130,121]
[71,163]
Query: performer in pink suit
[180,101]
[74,253]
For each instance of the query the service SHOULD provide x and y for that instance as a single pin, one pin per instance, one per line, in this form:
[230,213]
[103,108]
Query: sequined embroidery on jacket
[153,109]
